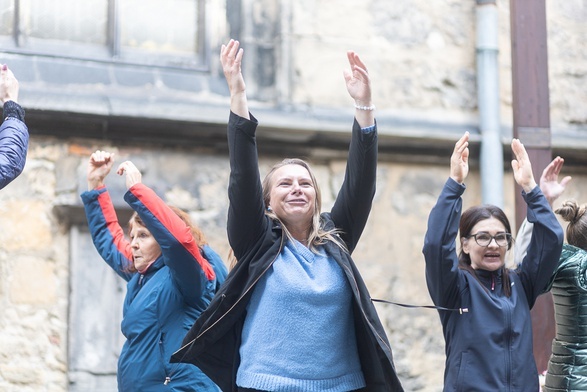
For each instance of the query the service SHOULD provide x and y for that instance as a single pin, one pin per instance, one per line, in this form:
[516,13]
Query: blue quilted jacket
[14,142]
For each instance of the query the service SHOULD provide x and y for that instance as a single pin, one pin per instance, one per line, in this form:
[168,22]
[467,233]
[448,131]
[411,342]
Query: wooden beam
[531,108]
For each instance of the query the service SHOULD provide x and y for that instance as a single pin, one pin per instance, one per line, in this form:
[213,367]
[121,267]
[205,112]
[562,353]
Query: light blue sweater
[299,333]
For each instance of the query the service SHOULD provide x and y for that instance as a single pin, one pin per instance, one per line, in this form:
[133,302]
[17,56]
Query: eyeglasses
[484,239]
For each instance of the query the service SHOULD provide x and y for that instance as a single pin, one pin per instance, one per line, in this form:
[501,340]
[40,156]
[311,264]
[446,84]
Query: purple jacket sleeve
[14,141]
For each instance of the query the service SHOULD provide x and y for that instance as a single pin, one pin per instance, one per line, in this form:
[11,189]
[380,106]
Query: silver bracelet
[372,107]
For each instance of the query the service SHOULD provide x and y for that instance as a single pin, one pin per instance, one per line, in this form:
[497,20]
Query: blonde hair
[317,235]
[576,231]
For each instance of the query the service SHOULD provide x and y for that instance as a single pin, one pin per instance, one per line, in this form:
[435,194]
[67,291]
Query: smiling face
[491,257]
[145,249]
[292,195]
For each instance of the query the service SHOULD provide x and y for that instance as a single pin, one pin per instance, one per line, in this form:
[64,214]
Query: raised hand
[357,80]
[459,160]
[133,175]
[99,166]
[549,184]
[231,59]
[8,85]
[358,85]
[522,166]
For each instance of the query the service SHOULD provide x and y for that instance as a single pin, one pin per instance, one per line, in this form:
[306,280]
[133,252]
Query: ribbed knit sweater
[299,333]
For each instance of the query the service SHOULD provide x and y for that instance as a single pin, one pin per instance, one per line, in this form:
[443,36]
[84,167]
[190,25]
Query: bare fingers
[100,157]
[462,144]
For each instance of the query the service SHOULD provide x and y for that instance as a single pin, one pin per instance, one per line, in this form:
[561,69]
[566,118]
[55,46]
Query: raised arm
[14,136]
[246,208]
[8,85]
[358,85]
[353,203]
[549,183]
[547,235]
[192,273]
[99,167]
[459,160]
[552,189]
[107,235]
[522,167]
[443,224]
[231,58]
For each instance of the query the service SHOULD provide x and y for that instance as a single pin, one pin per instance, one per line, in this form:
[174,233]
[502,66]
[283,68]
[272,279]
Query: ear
[465,245]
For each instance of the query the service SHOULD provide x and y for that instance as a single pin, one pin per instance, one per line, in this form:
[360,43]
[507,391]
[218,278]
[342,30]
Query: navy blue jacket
[214,340]
[14,142]
[162,304]
[490,347]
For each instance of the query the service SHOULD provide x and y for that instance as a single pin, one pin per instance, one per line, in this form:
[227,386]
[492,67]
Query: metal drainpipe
[491,159]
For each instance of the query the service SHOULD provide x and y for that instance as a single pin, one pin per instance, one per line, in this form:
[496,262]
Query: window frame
[111,52]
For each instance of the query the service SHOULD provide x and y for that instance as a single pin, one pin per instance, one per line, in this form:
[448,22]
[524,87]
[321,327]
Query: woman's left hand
[133,175]
[358,85]
[357,80]
[522,167]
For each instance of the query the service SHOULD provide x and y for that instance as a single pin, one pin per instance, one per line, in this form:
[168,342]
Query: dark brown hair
[576,231]
[469,219]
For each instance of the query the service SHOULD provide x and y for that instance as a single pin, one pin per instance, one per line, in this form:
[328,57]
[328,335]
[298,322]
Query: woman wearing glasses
[489,348]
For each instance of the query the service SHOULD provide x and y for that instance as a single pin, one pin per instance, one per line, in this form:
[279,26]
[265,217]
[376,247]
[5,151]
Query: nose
[296,188]
[134,243]
[492,242]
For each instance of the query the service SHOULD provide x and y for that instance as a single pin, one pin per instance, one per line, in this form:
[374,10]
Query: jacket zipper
[509,344]
[242,296]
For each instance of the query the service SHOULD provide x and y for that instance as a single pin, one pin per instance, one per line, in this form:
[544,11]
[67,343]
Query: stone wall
[35,259]
[421,56]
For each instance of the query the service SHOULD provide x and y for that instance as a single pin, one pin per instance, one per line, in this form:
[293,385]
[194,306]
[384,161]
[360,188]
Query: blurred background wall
[142,78]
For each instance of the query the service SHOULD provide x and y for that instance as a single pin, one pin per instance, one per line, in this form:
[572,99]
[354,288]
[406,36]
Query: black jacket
[213,342]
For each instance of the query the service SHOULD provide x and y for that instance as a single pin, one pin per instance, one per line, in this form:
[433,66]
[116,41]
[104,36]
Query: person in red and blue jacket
[172,275]
[14,134]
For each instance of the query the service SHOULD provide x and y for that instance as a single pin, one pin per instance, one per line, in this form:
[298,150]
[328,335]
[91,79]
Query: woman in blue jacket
[488,348]
[14,135]
[294,314]
[170,273]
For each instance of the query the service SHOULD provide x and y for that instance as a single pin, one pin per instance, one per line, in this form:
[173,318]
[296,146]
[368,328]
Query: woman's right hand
[8,85]
[98,168]
[231,58]
[459,160]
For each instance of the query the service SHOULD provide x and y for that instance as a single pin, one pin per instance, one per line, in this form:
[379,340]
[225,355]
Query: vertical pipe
[491,160]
